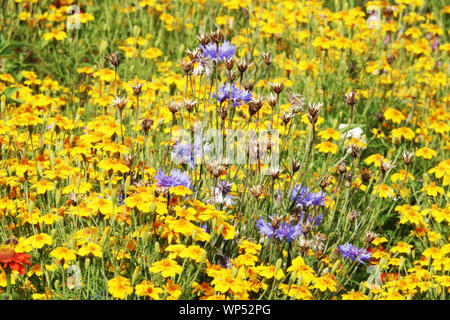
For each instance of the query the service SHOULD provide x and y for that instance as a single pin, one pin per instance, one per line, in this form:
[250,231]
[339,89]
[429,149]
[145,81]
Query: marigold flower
[14,260]
[147,289]
[120,287]
[167,268]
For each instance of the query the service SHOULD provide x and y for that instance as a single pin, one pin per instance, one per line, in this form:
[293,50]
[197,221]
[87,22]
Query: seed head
[267,57]
[256,191]
[370,236]
[353,215]
[407,157]
[272,100]
[216,36]
[146,124]
[366,174]
[120,103]
[243,65]
[385,166]
[137,88]
[189,104]
[229,63]
[350,98]
[174,107]
[203,39]
[276,87]
[114,59]
[186,65]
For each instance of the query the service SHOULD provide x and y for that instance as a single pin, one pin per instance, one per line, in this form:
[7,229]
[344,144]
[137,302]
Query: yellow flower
[325,283]
[384,191]
[193,252]
[152,53]
[55,34]
[375,159]
[432,189]
[394,115]
[43,186]
[401,247]
[63,253]
[146,288]
[327,147]
[120,287]
[426,153]
[173,289]
[39,240]
[167,268]
[90,248]
[329,134]
[404,132]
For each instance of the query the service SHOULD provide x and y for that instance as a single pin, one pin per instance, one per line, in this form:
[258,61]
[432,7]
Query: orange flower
[15,261]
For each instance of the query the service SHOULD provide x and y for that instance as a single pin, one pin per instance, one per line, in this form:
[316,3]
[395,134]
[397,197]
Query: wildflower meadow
[224,150]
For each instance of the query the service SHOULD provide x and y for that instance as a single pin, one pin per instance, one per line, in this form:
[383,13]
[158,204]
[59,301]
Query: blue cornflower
[176,178]
[226,50]
[284,231]
[303,196]
[236,93]
[265,228]
[353,253]
[288,232]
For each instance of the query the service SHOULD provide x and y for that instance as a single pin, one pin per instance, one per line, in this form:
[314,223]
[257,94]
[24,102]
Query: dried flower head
[189,104]
[370,236]
[203,39]
[256,191]
[287,117]
[366,174]
[186,65]
[229,63]
[254,105]
[137,88]
[276,87]
[313,112]
[407,157]
[354,150]
[267,57]
[272,100]
[146,124]
[114,59]
[248,85]
[120,103]
[297,102]
[243,65]
[216,36]
[353,215]
[350,98]
[231,75]
[385,166]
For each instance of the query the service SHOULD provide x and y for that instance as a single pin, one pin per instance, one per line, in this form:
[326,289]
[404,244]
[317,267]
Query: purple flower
[435,44]
[176,178]
[236,93]
[353,253]
[265,228]
[303,196]
[288,232]
[226,50]
[284,231]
